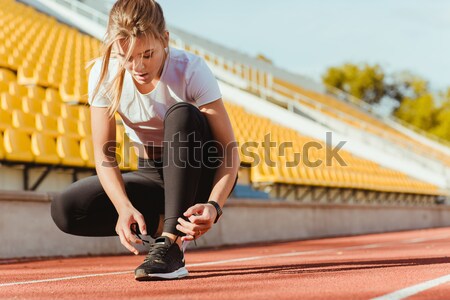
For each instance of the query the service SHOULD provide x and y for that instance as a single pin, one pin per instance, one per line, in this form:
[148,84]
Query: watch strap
[218,209]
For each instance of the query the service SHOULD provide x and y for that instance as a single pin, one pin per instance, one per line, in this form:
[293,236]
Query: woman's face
[146,61]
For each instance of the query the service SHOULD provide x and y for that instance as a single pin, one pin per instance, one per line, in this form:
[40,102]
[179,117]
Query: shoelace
[133,230]
[156,252]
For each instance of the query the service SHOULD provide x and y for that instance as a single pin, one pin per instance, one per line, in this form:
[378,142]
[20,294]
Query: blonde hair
[128,21]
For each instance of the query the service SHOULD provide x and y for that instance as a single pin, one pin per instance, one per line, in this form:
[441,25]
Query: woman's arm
[202,216]
[104,138]
[222,131]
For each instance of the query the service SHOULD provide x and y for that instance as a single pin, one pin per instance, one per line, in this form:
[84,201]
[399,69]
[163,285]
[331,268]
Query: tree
[404,85]
[419,112]
[442,129]
[365,81]
[417,105]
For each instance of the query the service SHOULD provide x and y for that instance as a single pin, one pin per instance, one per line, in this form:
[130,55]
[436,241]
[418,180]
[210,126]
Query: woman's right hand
[127,216]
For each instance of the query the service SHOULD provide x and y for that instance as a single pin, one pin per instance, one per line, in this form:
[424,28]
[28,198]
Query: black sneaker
[165,260]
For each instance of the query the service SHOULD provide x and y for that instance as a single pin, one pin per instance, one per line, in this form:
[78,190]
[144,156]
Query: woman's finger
[186,224]
[197,208]
[141,222]
[185,230]
[200,219]
[195,230]
[125,242]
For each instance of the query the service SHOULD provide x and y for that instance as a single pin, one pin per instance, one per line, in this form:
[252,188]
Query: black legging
[183,177]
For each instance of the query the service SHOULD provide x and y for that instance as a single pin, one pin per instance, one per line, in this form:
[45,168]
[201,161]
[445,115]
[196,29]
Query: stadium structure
[384,176]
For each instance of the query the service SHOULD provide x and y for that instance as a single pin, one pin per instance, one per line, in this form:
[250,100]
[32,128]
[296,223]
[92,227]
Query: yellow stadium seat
[10,103]
[84,129]
[18,90]
[43,147]
[47,124]
[36,93]
[70,111]
[52,95]
[7,75]
[69,151]
[51,108]
[68,128]
[126,156]
[17,145]
[2,147]
[5,119]
[25,75]
[87,152]
[30,105]
[4,87]
[85,114]
[23,121]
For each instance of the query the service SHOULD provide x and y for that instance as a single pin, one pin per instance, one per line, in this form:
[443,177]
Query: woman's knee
[61,212]
[182,113]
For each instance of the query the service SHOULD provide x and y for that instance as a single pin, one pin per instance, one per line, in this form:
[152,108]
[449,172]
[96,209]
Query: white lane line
[415,289]
[63,278]
[218,262]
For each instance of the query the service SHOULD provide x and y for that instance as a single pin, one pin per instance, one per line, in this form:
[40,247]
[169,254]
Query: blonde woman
[171,107]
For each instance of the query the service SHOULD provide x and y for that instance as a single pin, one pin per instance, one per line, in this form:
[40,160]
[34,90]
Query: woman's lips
[141,76]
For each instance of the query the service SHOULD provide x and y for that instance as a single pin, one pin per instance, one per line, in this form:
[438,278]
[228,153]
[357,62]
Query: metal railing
[85,10]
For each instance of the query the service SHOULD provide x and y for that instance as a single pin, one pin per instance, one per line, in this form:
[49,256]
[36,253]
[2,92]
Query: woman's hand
[128,216]
[201,218]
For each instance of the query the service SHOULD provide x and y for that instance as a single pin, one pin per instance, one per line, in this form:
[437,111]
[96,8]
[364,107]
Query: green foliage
[442,128]
[419,112]
[417,105]
[365,82]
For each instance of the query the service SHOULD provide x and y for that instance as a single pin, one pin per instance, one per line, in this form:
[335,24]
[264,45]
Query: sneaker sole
[142,276]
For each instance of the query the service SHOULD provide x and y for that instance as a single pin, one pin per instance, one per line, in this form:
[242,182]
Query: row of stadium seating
[44,52]
[358,173]
[356,118]
[49,54]
[39,126]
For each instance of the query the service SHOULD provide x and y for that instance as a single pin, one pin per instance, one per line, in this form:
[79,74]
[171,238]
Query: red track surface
[359,267]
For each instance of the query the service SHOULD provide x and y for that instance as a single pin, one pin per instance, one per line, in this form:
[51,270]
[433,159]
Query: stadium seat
[17,90]
[36,93]
[23,121]
[5,119]
[85,114]
[43,147]
[84,128]
[25,75]
[47,125]
[68,128]
[70,111]
[7,75]
[69,151]
[52,95]
[87,152]
[51,108]
[4,87]
[30,105]
[17,144]
[10,103]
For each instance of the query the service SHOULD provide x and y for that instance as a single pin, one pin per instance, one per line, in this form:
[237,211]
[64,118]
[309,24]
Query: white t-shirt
[185,78]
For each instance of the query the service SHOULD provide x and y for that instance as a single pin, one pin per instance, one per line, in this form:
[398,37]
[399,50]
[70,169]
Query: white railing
[85,10]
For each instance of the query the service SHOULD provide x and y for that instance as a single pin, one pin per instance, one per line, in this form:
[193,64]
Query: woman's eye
[147,56]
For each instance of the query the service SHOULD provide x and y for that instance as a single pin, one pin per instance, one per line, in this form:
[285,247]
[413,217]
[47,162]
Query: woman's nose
[138,65]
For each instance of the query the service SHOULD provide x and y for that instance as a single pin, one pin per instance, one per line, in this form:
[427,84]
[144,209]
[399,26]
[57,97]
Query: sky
[307,37]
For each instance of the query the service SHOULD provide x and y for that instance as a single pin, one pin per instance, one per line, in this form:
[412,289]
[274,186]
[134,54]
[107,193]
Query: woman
[171,107]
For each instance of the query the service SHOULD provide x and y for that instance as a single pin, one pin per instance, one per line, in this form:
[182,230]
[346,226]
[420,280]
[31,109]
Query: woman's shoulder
[97,66]
[183,57]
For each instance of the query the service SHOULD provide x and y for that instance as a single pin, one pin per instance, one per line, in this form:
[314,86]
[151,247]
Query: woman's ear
[166,39]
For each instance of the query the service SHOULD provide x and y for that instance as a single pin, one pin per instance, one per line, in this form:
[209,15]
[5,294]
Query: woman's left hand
[201,218]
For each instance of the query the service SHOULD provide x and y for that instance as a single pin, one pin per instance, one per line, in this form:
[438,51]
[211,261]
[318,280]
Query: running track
[403,265]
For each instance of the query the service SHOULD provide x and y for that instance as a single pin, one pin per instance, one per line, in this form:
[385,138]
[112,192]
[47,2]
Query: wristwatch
[218,209]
